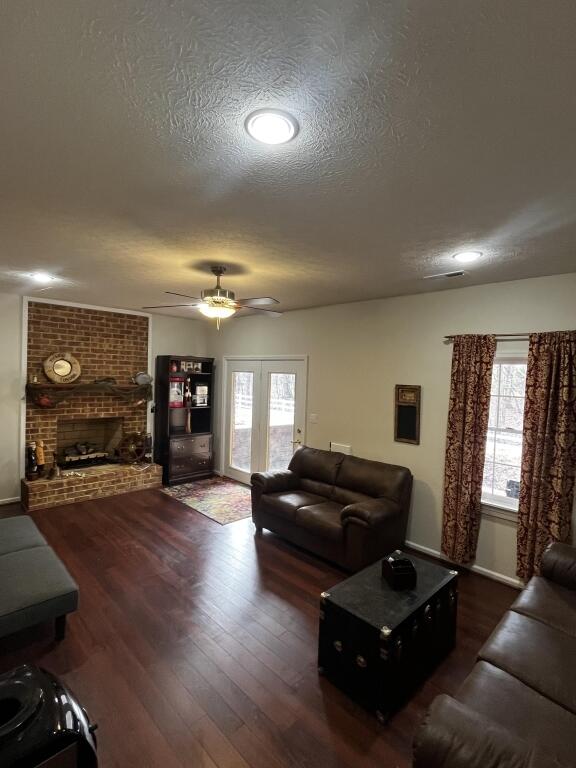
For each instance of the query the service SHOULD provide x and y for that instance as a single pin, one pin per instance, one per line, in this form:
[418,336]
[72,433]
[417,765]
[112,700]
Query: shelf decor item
[407,414]
[183,418]
[142,378]
[200,397]
[31,462]
[176,392]
[62,368]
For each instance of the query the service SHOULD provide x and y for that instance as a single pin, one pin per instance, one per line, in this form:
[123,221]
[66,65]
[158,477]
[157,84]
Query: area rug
[219,498]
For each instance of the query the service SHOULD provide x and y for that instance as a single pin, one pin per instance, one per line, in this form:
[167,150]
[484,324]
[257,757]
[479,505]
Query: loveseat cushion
[345,496]
[550,603]
[540,656]
[316,487]
[321,519]
[502,698]
[453,735]
[286,503]
[314,464]
[373,478]
[19,532]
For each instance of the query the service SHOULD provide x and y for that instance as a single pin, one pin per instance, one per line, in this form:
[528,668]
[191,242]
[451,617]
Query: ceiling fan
[220,303]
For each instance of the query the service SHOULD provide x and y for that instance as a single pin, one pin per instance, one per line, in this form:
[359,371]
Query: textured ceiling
[426,127]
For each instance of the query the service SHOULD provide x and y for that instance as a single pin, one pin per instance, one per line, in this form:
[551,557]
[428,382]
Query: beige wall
[177,336]
[10,395]
[358,352]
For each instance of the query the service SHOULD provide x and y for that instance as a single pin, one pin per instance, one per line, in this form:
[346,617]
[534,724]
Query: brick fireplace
[107,344]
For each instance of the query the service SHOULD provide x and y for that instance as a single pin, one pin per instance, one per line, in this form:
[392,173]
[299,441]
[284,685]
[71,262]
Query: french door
[265,405]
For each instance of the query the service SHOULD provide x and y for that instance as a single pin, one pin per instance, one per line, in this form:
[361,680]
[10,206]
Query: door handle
[296,442]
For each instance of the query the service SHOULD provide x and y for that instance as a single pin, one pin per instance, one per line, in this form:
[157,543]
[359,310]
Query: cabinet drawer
[191,464]
[191,446]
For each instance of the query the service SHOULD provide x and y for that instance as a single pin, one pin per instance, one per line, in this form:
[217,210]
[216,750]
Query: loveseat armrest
[454,736]
[559,564]
[372,512]
[274,482]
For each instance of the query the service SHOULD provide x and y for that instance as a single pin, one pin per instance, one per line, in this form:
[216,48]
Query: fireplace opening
[87,442]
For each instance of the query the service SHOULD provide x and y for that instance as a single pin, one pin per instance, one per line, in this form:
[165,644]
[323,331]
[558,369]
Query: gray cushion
[35,587]
[19,533]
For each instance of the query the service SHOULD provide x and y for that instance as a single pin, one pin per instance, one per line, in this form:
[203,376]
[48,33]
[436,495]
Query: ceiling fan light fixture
[271,126]
[212,310]
[219,303]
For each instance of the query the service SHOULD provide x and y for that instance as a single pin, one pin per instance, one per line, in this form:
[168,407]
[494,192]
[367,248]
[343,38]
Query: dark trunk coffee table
[377,644]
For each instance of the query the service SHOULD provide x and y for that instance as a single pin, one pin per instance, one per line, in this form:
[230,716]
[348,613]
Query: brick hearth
[106,344]
[107,480]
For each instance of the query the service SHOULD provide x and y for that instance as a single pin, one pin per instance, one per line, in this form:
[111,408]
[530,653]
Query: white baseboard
[14,500]
[510,580]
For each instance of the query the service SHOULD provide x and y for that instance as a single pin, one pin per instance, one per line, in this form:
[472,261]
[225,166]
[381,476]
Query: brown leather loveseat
[517,709]
[345,509]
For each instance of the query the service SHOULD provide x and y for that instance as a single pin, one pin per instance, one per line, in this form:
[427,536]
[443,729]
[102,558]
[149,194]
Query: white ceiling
[426,127]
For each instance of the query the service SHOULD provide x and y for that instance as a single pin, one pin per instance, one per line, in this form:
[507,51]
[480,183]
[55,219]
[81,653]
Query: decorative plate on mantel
[62,368]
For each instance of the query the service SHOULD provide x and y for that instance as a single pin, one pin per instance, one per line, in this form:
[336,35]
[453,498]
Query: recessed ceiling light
[467,257]
[42,277]
[271,126]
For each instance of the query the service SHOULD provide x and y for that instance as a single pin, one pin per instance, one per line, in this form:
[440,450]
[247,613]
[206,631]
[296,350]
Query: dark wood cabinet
[184,396]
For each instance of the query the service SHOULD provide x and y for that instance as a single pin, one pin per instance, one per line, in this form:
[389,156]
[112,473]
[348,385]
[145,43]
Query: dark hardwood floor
[195,644]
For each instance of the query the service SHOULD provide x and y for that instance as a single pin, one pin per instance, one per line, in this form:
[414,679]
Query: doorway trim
[226,360]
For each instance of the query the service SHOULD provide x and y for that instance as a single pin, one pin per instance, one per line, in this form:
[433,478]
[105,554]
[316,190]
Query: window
[501,482]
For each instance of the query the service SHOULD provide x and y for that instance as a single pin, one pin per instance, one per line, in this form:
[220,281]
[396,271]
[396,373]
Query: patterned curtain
[472,360]
[549,447]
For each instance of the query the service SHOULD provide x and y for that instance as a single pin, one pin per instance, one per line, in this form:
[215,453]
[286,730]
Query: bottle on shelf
[176,393]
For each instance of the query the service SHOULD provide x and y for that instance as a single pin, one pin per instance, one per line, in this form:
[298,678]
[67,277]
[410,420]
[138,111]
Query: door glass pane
[281,420]
[241,421]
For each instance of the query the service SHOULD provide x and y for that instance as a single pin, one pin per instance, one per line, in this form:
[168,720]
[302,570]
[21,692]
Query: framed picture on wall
[407,413]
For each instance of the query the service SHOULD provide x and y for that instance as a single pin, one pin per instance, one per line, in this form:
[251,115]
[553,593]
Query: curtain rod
[499,337]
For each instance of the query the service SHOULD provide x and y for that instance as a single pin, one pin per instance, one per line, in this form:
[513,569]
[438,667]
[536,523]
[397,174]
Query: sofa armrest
[454,736]
[274,482]
[373,512]
[559,564]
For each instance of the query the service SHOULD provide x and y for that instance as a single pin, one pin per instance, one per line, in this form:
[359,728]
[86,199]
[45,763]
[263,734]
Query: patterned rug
[219,498]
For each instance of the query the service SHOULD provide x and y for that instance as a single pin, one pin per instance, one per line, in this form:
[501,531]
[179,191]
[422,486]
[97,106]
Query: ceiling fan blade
[169,306]
[262,301]
[185,295]
[269,312]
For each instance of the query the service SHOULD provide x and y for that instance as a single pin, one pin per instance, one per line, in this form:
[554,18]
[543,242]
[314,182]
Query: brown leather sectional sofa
[348,510]
[517,709]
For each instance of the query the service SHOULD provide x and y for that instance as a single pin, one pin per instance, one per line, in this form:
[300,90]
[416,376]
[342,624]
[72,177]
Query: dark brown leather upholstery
[518,706]
[455,735]
[346,509]
[549,602]
[559,565]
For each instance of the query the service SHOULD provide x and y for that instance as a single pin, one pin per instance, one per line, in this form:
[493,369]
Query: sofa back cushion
[313,464]
[373,478]
[317,487]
